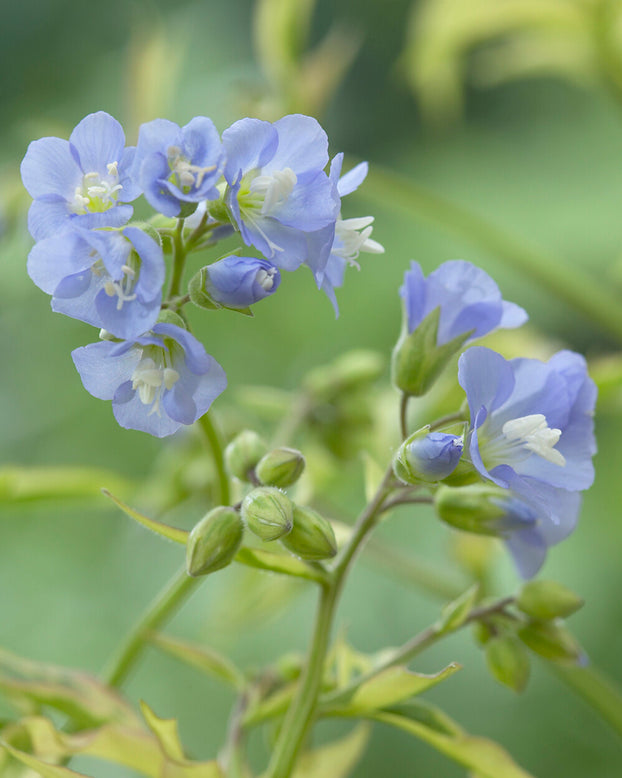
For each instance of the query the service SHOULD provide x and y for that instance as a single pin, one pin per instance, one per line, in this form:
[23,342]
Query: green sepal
[167,316]
[198,295]
[508,662]
[311,537]
[148,229]
[219,211]
[546,600]
[186,209]
[417,360]
[470,508]
[455,613]
[551,640]
[284,564]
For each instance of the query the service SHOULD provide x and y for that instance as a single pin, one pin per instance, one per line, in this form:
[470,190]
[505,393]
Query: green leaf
[382,690]
[280,563]
[456,613]
[28,484]
[508,661]
[43,768]
[204,659]
[486,758]
[80,696]
[336,759]
[170,533]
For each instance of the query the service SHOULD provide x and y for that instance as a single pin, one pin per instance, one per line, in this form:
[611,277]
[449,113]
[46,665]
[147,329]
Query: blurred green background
[511,110]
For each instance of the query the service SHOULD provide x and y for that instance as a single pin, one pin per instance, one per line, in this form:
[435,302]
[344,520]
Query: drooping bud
[214,541]
[280,467]
[311,537]
[508,662]
[473,508]
[546,600]
[551,640]
[268,513]
[243,453]
[427,456]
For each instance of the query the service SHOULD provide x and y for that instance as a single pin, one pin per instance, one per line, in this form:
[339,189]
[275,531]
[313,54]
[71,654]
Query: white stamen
[265,278]
[122,288]
[535,434]
[189,176]
[352,241]
[275,188]
[150,380]
[97,194]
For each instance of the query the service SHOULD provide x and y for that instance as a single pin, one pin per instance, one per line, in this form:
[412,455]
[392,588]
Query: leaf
[455,613]
[170,533]
[205,659]
[43,768]
[336,759]
[80,696]
[382,690]
[28,484]
[280,563]
[486,758]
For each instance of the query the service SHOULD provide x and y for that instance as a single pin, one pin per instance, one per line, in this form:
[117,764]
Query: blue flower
[350,236]
[176,165]
[532,433]
[82,180]
[157,382]
[469,301]
[237,282]
[107,278]
[278,193]
[428,457]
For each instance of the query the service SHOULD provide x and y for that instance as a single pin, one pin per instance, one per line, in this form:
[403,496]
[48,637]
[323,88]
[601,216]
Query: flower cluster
[531,430]
[267,182]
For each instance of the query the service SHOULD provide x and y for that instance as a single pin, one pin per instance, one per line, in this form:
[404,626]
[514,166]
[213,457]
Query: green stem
[164,605]
[215,445]
[595,300]
[179,259]
[301,712]
[404,415]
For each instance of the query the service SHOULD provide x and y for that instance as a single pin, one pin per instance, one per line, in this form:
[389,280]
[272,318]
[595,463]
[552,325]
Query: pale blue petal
[49,168]
[303,145]
[249,144]
[100,371]
[351,180]
[99,140]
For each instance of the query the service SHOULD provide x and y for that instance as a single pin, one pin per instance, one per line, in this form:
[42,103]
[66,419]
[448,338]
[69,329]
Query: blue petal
[99,140]
[351,180]
[152,177]
[249,144]
[132,414]
[53,259]
[303,145]
[528,549]
[152,270]
[413,292]
[100,371]
[486,377]
[310,206]
[49,168]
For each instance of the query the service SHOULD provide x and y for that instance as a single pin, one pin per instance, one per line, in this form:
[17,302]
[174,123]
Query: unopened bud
[281,467]
[214,541]
[268,513]
[311,537]
[553,641]
[427,456]
[471,508]
[546,600]
[243,453]
[508,662]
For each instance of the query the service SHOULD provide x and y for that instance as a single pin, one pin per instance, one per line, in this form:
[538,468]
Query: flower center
[96,193]
[271,191]
[123,288]
[535,435]
[187,175]
[151,378]
[265,278]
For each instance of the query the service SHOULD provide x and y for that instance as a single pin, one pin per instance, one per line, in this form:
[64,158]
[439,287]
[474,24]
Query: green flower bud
[553,641]
[508,662]
[546,600]
[471,508]
[312,536]
[214,541]
[281,467]
[268,513]
[243,453]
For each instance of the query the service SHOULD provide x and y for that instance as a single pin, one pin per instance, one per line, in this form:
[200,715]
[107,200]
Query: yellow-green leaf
[165,731]
[336,759]
[43,768]
[279,563]
[170,533]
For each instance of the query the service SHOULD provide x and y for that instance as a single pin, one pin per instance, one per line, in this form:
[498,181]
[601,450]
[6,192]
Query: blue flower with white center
[238,282]
[453,305]
[108,278]
[157,382]
[469,301]
[176,165]
[532,432]
[84,180]
[278,193]
[350,236]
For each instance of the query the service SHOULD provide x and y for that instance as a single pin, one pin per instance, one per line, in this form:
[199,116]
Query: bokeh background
[512,111]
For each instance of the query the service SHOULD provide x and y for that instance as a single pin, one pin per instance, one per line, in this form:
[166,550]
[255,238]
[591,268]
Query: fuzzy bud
[243,453]
[546,600]
[214,541]
[281,467]
[312,536]
[268,513]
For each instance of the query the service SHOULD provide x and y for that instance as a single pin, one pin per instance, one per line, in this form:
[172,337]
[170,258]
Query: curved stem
[163,606]
[404,415]
[215,445]
[301,712]
[445,421]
